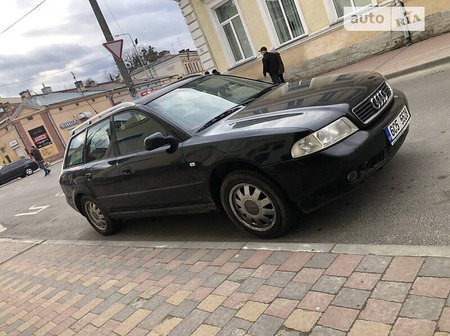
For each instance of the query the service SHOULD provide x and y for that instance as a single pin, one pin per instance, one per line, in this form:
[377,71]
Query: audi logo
[379,99]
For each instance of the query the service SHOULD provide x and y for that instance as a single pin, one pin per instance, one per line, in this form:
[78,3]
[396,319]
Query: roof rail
[98,116]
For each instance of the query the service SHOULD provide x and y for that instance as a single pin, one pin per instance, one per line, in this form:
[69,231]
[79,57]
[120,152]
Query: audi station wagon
[259,152]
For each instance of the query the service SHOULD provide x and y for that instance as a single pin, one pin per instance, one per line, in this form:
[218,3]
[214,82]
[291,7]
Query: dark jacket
[271,64]
[36,154]
[280,62]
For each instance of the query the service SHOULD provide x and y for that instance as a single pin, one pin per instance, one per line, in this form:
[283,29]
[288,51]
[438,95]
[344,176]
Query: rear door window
[75,150]
[98,142]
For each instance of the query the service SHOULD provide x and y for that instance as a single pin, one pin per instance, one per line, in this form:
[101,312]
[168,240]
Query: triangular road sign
[115,48]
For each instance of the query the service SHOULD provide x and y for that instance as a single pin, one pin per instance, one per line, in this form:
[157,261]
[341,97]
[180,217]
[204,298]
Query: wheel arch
[219,173]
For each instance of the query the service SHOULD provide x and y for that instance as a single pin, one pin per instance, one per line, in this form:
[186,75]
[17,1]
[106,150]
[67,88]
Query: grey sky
[63,36]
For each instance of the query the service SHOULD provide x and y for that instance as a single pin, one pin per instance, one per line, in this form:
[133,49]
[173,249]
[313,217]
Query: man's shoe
[48,172]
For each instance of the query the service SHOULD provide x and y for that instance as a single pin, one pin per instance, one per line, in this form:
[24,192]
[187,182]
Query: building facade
[168,66]
[45,120]
[309,34]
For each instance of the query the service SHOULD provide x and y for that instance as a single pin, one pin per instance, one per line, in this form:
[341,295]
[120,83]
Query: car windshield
[196,104]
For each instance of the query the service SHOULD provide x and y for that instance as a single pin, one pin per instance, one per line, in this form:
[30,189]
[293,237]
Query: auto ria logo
[384,18]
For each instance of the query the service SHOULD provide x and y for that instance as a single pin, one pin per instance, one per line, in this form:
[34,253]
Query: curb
[385,250]
[419,67]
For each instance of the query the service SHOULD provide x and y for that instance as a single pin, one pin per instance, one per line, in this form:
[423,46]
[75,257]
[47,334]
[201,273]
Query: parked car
[20,168]
[256,150]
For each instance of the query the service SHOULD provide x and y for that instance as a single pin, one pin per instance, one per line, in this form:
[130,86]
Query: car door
[11,170]
[153,179]
[100,174]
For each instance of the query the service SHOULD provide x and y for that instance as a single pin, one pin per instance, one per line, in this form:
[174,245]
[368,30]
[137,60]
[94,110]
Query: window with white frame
[339,5]
[285,18]
[232,26]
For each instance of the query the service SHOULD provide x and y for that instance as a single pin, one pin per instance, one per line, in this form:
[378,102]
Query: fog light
[353,176]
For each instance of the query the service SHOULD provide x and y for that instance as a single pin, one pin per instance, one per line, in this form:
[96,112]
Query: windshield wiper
[259,94]
[220,116]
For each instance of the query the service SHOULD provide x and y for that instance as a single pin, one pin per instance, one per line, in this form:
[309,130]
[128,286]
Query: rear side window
[98,142]
[75,150]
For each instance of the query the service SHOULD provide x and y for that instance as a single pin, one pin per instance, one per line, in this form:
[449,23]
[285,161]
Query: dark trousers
[275,78]
[42,166]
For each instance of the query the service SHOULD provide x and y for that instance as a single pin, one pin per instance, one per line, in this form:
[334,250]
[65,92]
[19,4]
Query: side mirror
[157,140]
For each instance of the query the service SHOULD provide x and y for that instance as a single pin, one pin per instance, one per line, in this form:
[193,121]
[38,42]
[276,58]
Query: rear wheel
[256,205]
[97,217]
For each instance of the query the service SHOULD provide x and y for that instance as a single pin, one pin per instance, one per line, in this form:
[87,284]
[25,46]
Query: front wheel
[97,217]
[256,205]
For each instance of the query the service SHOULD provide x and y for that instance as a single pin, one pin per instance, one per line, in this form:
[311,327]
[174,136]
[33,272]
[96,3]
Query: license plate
[396,128]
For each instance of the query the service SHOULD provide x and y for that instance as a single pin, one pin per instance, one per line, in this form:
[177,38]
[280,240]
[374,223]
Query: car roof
[100,116]
[144,100]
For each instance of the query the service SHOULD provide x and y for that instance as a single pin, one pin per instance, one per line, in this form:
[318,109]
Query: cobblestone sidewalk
[64,289]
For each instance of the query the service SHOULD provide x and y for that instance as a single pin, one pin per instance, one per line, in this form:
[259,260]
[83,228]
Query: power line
[53,74]
[22,17]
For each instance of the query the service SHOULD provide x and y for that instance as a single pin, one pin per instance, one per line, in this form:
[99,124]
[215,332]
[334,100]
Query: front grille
[374,104]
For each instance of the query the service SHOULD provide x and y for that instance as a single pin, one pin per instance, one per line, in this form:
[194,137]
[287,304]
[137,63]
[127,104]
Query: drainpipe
[403,19]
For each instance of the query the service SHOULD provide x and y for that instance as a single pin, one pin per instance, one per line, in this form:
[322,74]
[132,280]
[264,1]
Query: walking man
[36,154]
[271,65]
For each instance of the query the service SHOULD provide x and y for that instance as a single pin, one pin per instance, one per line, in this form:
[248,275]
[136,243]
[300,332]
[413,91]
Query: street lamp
[138,55]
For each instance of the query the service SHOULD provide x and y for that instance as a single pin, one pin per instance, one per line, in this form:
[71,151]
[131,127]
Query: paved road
[406,203]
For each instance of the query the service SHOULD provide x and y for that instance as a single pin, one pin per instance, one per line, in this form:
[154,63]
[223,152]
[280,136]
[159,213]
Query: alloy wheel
[253,207]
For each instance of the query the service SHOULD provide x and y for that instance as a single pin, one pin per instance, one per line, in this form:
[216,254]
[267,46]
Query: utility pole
[138,55]
[109,38]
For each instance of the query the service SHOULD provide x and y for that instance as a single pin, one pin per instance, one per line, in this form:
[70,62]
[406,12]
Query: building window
[339,5]
[30,118]
[60,109]
[286,19]
[234,31]
[77,104]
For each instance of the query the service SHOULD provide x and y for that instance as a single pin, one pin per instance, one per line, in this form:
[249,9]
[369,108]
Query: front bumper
[320,178]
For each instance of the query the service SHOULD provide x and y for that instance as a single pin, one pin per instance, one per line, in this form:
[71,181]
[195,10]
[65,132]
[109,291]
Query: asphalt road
[406,203]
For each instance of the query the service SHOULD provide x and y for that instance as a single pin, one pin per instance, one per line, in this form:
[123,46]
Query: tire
[97,217]
[256,205]
[28,171]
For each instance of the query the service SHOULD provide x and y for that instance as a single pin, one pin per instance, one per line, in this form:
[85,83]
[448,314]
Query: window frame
[212,6]
[332,13]
[276,42]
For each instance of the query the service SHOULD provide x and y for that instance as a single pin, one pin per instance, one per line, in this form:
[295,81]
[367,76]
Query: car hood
[302,105]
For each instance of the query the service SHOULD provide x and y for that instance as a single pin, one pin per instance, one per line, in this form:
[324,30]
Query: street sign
[115,48]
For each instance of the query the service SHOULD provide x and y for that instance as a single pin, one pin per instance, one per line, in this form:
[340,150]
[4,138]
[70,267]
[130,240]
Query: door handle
[88,176]
[126,170]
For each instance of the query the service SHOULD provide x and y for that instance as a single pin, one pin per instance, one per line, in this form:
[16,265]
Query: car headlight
[323,138]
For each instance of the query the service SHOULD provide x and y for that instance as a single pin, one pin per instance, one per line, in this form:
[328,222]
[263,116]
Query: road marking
[34,207]
[2,228]
[60,194]
[18,188]
[2,195]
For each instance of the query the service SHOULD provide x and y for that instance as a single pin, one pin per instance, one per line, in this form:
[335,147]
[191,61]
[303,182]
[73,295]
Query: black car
[20,168]
[256,150]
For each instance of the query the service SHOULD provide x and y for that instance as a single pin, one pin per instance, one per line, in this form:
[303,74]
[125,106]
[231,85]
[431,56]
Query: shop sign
[69,123]
[40,137]
[13,144]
